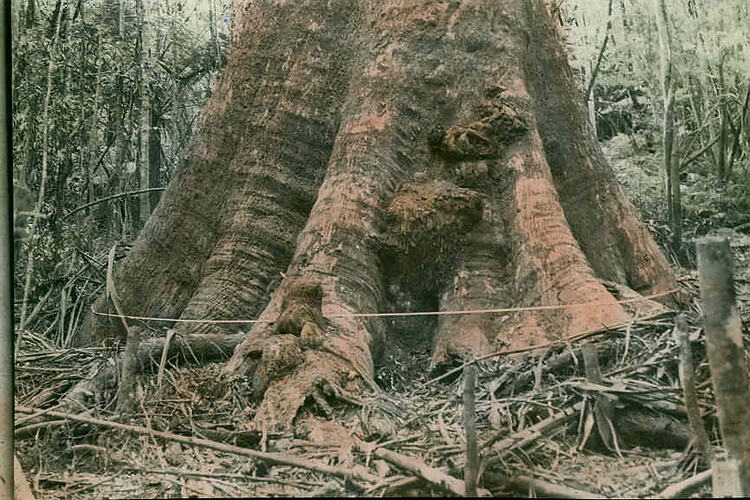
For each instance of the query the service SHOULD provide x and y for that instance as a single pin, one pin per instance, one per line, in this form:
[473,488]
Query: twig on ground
[27,430]
[163,361]
[225,475]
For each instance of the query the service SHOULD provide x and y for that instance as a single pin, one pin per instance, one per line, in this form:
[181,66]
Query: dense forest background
[107,95]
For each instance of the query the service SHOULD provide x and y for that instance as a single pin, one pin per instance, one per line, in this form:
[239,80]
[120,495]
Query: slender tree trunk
[603,50]
[155,152]
[671,165]
[144,124]
[214,36]
[721,145]
[591,107]
[676,203]
[94,125]
[404,152]
[721,100]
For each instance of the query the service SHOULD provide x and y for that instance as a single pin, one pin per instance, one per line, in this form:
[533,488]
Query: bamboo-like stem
[43,183]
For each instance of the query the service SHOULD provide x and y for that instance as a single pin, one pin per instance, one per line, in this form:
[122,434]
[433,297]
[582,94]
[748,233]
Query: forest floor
[536,422]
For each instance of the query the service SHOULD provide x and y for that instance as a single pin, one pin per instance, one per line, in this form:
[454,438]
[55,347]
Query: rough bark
[398,155]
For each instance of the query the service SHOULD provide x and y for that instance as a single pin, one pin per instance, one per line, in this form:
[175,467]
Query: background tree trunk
[144,122]
[358,157]
[671,158]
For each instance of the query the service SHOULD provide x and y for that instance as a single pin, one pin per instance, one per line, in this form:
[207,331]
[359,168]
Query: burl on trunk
[383,155]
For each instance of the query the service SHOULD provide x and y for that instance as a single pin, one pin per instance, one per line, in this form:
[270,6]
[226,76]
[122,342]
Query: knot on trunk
[301,304]
[424,220]
[500,125]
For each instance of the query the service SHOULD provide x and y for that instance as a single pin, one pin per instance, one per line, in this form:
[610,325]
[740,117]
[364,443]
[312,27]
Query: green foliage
[93,120]
[711,67]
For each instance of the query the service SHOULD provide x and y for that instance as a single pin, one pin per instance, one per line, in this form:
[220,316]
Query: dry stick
[679,490]
[687,377]
[245,477]
[430,474]
[38,306]
[113,197]
[27,430]
[87,447]
[726,354]
[627,339]
[163,361]
[276,458]
[595,71]
[708,146]
[471,469]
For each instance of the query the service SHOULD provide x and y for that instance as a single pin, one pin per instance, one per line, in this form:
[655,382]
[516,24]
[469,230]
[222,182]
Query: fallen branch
[276,458]
[680,489]
[522,484]
[28,430]
[429,474]
[197,347]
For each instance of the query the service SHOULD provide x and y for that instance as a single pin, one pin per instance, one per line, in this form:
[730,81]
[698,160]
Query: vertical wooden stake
[726,354]
[687,378]
[6,259]
[471,469]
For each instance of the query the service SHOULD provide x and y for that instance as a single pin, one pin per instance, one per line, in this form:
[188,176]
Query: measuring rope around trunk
[398,314]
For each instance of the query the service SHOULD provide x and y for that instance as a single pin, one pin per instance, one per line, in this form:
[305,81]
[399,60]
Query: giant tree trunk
[387,155]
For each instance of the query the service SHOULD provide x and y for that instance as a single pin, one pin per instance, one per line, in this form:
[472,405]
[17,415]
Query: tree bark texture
[389,155]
